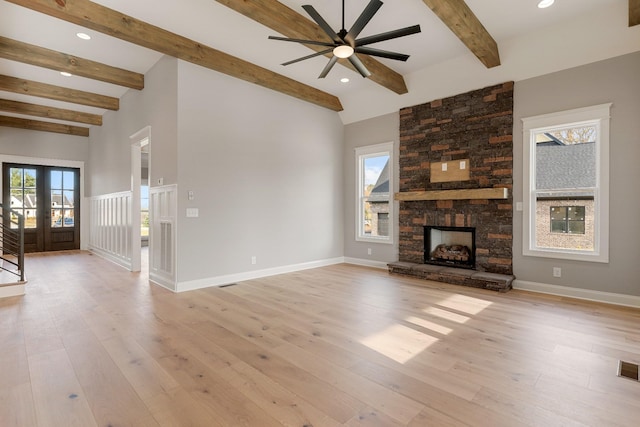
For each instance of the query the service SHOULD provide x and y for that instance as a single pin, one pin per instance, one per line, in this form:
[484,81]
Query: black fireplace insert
[450,246]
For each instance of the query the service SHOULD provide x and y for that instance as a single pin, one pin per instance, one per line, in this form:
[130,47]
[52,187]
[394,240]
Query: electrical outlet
[557,272]
[368,251]
[254,260]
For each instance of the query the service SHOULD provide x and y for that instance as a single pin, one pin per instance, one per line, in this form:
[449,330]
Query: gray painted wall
[110,146]
[43,145]
[615,80]
[266,173]
[368,132]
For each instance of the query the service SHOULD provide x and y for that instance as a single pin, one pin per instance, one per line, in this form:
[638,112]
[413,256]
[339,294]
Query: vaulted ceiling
[37,42]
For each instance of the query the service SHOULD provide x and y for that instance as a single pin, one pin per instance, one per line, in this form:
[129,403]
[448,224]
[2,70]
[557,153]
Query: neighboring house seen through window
[374,191]
[566,165]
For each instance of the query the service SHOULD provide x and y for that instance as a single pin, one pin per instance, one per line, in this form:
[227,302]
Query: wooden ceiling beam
[634,12]
[463,23]
[108,21]
[30,54]
[16,122]
[59,93]
[284,20]
[49,112]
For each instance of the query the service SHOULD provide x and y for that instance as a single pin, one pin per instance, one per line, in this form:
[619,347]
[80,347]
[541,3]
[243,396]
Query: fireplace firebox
[450,246]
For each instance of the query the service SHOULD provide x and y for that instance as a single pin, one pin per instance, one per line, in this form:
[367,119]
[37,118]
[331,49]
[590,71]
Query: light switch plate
[192,212]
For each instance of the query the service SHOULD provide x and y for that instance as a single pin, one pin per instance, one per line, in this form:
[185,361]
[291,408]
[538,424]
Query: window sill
[568,255]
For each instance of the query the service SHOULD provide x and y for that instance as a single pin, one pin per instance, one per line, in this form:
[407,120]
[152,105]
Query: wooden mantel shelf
[464,194]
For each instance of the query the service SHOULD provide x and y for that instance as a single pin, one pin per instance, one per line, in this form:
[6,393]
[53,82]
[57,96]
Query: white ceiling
[531,41]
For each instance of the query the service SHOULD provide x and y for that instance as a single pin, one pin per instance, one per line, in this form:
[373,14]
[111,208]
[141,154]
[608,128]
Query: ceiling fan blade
[313,42]
[328,67]
[355,61]
[362,20]
[322,23]
[388,35]
[313,55]
[382,53]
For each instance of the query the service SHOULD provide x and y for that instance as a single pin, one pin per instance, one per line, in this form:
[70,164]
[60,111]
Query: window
[567,219]
[374,180]
[566,177]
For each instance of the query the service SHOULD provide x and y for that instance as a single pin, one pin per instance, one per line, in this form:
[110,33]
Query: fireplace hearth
[450,246]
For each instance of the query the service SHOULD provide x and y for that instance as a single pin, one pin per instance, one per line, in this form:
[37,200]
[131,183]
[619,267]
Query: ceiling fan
[346,43]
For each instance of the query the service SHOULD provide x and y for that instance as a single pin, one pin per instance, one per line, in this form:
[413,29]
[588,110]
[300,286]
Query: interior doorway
[140,173]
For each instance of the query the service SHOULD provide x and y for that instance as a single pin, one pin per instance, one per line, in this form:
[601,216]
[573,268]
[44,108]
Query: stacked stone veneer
[478,126]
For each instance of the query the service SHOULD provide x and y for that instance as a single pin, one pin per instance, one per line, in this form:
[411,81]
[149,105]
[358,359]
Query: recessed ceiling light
[83,36]
[545,3]
[64,73]
[344,80]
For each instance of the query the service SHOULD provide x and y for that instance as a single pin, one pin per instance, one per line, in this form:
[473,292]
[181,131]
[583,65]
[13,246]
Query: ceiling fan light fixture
[343,51]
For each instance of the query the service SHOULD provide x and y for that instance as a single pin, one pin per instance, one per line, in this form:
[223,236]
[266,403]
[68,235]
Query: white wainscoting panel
[163,211]
[111,227]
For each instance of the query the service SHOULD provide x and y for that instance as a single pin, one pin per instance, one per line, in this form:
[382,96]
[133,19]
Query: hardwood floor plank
[368,417]
[144,374]
[321,394]
[281,404]
[177,408]
[432,417]
[58,397]
[17,406]
[110,396]
[387,401]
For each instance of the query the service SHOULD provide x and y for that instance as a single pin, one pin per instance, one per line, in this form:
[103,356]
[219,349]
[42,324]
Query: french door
[49,200]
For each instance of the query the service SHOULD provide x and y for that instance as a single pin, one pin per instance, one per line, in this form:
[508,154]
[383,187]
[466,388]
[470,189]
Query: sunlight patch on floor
[443,330]
[447,315]
[465,304]
[399,342]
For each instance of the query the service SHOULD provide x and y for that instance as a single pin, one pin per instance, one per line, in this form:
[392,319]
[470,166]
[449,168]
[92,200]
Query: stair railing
[12,241]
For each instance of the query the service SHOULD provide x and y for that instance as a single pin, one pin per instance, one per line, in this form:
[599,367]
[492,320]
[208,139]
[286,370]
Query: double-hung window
[566,184]
[374,183]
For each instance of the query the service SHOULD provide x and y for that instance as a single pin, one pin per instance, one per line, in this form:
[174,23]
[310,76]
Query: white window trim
[601,115]
[385,148]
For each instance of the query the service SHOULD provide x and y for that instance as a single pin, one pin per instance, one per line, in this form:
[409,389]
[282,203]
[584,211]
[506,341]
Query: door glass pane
[30,198]
[14,218]
[16,198]
[56,179]
[68,181]
[29,178]
[23,195]
[16,178]
[68,220]
[56,198]
[67,199]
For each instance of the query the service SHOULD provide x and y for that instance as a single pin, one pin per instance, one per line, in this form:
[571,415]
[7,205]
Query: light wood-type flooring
[92,344]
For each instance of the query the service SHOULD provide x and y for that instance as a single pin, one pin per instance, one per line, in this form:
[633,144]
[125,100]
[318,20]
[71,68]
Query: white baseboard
[12,290]
[121,261]
[161,281]
[584,294]
[366,263]
[250,275]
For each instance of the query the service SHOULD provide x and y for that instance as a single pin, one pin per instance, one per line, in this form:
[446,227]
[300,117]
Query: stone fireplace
[456,170]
